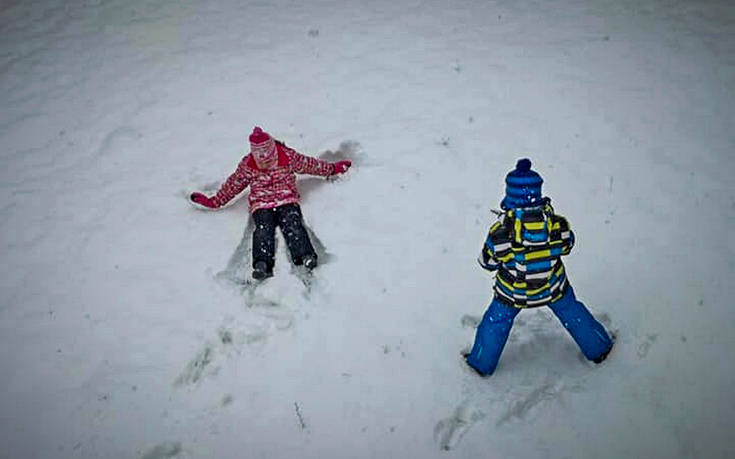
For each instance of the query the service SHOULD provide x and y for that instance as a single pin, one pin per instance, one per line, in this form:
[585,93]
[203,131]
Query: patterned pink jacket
[271,187]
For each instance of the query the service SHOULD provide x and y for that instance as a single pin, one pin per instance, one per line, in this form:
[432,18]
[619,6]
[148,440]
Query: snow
[125,326]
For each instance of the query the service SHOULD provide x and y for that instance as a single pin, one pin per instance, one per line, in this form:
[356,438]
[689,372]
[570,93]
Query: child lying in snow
[525,247]
[270,169]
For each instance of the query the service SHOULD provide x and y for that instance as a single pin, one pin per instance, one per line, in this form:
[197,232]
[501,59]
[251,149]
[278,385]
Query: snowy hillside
[127,328]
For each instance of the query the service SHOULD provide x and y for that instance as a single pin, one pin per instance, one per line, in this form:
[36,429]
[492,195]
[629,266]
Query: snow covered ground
[125,327]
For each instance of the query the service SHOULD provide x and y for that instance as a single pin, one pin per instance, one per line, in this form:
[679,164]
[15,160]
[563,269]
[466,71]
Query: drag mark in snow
[449,431]
[302,424]
[240,260]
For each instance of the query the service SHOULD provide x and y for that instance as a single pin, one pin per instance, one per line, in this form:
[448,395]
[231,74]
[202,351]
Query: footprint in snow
[520,407]
[230,341]
[645,345]
[196,368]
[449,431]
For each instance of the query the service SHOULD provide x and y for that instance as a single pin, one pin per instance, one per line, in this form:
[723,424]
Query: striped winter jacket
[525,247]
[272,187]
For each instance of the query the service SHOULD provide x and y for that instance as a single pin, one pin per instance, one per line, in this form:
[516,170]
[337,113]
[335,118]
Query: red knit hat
[258,136]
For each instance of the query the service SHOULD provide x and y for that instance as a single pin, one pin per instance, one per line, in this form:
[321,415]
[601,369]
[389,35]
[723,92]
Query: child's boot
[309,262]
[604,355]
[261,271]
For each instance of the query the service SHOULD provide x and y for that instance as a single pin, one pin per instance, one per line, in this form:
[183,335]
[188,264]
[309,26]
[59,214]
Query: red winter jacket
[271,187]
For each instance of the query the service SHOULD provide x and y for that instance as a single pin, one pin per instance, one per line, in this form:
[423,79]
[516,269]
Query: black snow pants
[289,218]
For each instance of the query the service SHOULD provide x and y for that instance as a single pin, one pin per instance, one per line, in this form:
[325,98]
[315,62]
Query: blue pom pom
[524,165]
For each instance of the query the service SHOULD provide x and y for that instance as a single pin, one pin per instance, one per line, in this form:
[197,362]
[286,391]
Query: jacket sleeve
[302,164]
[497,247]
[562,234]
[233,186]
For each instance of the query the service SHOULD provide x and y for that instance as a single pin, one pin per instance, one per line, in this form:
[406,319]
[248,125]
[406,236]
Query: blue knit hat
[522,187]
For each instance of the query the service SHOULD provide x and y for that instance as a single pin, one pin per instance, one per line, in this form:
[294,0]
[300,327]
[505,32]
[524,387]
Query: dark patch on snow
[348,149]
[469,321]
[313,33]
[605,319]
[225,336]
[164,451]
[227,400]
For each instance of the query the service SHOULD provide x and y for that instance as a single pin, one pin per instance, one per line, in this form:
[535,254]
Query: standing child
[525,247]
[270,169]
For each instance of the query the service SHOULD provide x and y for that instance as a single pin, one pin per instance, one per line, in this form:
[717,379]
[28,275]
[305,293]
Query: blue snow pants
[493,331]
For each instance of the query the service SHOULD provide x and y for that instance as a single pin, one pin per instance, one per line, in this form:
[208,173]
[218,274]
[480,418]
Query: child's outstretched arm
[303,164]
[233,186]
